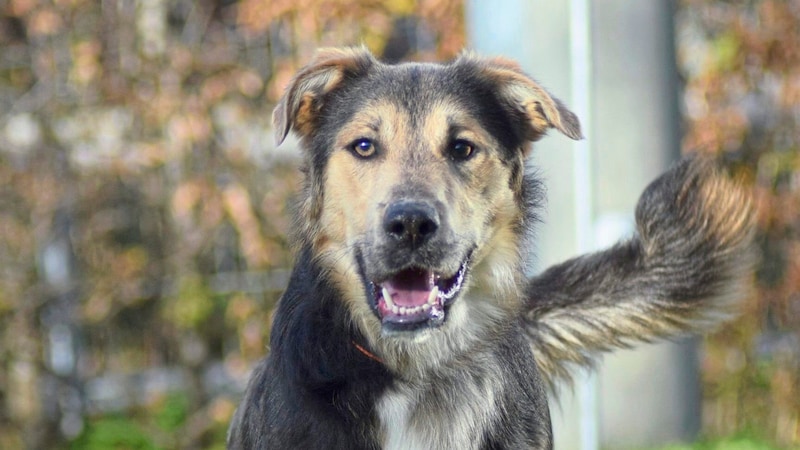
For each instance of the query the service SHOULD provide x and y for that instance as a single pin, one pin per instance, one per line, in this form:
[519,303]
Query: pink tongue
[409,288]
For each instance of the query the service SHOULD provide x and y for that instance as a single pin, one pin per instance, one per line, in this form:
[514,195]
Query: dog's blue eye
[363,148]
[461,150]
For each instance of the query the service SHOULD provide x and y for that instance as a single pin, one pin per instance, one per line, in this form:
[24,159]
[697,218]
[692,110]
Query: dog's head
[416,194]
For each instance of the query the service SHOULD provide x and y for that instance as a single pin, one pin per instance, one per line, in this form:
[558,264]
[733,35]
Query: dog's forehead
[417,89]
[415,86]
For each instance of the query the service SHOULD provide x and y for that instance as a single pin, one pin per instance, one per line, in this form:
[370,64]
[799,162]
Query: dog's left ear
[538,109]
[301,102]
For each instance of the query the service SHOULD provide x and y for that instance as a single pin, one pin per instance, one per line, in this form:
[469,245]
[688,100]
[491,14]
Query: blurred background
[143,204]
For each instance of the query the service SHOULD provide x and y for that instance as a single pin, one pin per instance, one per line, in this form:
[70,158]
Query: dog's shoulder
[309,393]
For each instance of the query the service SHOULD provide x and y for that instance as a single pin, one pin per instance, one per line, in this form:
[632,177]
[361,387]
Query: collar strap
[366,353]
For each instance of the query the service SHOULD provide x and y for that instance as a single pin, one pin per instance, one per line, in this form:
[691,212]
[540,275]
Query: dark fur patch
[316,389]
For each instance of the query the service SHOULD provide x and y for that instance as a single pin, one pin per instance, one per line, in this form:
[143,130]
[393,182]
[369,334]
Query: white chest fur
[451,413]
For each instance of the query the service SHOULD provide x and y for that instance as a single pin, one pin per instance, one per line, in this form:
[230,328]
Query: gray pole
[580,27]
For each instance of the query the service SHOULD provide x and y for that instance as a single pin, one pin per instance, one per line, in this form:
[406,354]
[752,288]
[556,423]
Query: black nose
[411,223]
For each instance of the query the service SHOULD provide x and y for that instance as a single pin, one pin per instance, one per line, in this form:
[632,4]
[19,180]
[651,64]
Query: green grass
[115,434]
[728,443]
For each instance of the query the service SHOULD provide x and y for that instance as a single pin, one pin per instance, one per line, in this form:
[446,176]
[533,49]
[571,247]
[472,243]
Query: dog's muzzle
[411,291]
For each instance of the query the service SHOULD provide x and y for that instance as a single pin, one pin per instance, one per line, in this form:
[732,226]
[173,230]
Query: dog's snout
[412,223]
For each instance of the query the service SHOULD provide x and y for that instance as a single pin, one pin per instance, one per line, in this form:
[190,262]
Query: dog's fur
[445,145]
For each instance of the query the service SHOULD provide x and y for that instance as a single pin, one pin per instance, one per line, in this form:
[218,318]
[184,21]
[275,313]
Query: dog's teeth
[431,305]
[387,297]
[432,296]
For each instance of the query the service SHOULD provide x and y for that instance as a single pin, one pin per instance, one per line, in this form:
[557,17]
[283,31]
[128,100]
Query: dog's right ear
[526,98]
[302,99]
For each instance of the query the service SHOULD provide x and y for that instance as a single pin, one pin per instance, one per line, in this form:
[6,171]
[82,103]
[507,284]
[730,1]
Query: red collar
[366,352]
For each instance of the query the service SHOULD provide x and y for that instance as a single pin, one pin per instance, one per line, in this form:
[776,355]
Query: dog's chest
[452,413]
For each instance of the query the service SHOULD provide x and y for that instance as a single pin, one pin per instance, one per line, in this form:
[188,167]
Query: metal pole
[581,71]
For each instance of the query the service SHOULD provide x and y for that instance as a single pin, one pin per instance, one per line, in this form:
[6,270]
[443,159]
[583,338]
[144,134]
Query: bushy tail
[686,269]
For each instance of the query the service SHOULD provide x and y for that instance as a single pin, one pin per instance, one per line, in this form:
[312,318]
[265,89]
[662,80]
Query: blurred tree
[143,207]
[741,62]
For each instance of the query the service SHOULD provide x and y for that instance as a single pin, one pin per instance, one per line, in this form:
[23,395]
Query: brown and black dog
[409,322]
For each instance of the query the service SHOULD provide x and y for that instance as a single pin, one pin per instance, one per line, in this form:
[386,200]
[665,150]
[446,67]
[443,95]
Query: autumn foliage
[143,206]
[741,63]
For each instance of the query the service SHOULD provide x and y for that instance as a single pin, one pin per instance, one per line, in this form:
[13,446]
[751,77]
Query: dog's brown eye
[461,150]
[363,148]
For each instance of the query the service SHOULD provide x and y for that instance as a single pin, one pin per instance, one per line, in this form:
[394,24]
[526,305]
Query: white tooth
[395,309]
[432,296]
[387,297]
[426,306]
[403,310]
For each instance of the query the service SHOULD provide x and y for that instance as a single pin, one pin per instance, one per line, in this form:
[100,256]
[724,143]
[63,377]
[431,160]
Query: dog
[409,321]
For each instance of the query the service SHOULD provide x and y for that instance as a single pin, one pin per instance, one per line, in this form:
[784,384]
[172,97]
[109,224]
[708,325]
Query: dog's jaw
[472,316]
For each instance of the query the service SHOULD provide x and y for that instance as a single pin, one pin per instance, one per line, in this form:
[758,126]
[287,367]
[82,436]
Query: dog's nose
[411,223]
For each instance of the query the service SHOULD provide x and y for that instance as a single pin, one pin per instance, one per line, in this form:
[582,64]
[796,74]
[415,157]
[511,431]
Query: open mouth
[416,297]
